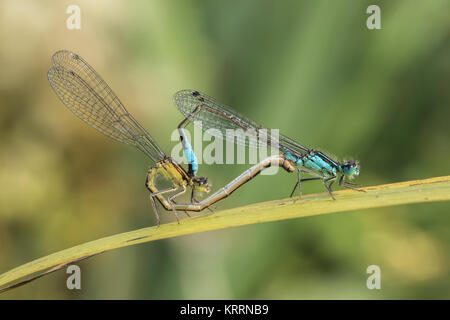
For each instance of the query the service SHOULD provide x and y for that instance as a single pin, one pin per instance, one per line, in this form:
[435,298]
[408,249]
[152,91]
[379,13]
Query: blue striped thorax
[319,162]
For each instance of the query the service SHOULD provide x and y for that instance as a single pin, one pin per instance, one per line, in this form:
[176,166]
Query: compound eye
[201,180]
[350,164]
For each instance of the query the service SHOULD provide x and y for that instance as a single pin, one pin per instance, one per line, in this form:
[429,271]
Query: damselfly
[207,112]
[88,96]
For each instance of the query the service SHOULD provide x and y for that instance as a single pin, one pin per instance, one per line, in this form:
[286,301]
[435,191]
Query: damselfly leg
[299,181]
[328,187]
[349,185]
[155,209]
[175,195]
[155,194]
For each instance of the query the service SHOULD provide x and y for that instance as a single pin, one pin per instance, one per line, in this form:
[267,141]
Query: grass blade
[427,190]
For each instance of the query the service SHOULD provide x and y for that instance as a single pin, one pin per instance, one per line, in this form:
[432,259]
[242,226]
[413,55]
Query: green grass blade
[428,190]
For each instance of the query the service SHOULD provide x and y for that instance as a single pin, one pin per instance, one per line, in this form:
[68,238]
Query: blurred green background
[310,68]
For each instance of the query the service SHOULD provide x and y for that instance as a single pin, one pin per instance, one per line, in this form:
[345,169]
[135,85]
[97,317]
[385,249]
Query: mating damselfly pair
[88,96]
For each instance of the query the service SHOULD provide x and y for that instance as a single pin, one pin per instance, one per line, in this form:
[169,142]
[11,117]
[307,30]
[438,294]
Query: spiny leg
[331,183]
[328,187]
[345,184]
[342,181]
[152,198]
[353,188]
[299,184]
[163,191]
[299,180]
[193,200]
[304,180]
[176,215]
[185,211]
[155,209]
[176,194]
[353,184]
[293,190]
[350,187]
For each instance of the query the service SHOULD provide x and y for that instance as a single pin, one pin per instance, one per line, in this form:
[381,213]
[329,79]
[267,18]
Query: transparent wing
[210,114]
[292,146]
[88,96]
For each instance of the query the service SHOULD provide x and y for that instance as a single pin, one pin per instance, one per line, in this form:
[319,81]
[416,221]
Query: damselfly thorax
[170,170]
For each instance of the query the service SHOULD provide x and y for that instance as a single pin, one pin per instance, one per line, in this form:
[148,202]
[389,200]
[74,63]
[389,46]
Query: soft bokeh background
[311,68]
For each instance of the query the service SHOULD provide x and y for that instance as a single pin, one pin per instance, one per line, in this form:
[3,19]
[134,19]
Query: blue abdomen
[190,157]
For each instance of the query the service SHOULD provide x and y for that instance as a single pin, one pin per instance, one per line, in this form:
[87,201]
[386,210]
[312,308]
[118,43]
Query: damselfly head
[201,184]
[350,168]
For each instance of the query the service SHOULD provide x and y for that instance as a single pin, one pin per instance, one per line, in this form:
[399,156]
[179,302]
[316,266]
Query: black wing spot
[195,93]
